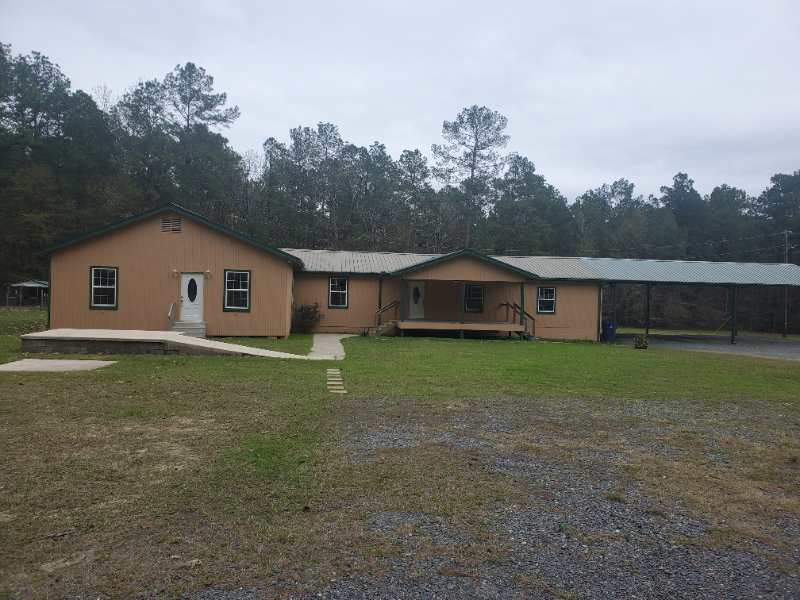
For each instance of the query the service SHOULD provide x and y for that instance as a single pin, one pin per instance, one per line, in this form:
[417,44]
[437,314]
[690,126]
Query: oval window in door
[415,295]
[192,289]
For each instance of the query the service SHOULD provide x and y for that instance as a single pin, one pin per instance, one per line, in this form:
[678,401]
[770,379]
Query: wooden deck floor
[457,325]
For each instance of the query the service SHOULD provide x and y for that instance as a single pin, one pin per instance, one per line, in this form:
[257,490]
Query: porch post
[463,304]
[647,318]
[522,306]
[735,325]
[600,312]
[402,305]
[614,317]
[380,299]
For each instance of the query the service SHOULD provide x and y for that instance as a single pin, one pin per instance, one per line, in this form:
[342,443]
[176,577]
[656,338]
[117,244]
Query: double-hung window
[237,291]
[337,292]
[546,300]
[473,299]
[103,288]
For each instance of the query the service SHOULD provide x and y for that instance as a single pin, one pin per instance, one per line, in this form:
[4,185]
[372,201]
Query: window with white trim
[237,290]
[337,292]
[546,300]
[473,298]
[104,288]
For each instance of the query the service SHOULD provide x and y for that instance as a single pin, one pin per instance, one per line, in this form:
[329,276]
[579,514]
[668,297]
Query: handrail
[387,307]
[171,316]
[379,313]
[518,310]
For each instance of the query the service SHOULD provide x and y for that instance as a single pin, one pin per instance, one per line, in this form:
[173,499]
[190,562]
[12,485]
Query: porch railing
[518,311]
[171,316]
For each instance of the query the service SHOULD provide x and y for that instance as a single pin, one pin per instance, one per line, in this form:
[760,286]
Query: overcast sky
[593,90]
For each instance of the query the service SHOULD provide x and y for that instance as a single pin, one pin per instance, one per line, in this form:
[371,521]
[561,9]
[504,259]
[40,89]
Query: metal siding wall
[466,268]
[576,310]
[146,258]
[362,300]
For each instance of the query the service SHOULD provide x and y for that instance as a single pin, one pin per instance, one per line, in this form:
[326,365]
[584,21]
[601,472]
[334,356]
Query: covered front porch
[478,306]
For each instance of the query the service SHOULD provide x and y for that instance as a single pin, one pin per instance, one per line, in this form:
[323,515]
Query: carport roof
[625,270]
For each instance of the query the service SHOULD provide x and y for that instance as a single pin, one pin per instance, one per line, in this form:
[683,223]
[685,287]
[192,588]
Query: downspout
[647,317]
[522,307]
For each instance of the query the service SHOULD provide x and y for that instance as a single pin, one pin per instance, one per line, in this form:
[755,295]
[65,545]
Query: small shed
[28,293]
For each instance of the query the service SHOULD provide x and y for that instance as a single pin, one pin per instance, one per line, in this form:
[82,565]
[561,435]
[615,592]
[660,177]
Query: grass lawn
[18,322]
[114,481]
[297,343]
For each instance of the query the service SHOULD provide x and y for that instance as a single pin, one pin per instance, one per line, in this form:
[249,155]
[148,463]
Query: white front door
[192,297]
[416,299]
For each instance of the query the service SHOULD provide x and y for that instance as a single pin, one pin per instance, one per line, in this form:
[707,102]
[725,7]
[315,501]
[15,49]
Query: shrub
[363,332]
[306,316]
[640,341]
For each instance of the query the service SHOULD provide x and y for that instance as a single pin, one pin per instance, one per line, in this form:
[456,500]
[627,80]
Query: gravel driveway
[576,535]
[765,347]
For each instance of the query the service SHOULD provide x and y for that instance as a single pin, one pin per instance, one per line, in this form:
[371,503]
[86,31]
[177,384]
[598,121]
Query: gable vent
[171,225]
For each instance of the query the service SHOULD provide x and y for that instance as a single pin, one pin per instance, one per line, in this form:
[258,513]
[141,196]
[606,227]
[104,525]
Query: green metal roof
[179,209]
[553,267]
[625,270]
[357,263]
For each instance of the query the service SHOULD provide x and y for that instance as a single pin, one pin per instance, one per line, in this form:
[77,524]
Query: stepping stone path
[335,383]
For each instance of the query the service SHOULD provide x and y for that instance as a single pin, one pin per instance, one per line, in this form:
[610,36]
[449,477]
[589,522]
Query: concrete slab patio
[763,347]
[326,346]
[53,365]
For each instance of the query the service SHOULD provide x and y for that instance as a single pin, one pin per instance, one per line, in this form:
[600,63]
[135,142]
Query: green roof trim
[465,252]
[154,211]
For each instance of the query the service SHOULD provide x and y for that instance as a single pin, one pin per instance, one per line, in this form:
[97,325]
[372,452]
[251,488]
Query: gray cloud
[594,91]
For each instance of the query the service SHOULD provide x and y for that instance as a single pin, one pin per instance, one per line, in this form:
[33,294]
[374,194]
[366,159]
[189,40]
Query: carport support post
[647,317]
[463,304]
[735,325]
[402,305]
[614,317]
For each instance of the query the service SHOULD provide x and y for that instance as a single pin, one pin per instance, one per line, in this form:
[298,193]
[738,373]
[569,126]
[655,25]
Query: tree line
[71,161]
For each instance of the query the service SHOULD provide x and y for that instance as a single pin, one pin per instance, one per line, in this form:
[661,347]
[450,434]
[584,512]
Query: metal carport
[680,272]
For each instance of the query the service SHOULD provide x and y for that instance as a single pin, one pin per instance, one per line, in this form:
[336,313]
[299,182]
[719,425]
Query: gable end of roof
[465,252]
[154,211]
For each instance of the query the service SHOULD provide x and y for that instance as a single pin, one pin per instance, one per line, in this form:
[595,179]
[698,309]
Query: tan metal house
[462,291]
[170,268]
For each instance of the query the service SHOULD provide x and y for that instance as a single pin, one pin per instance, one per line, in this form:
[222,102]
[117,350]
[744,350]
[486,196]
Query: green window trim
[540,299]
[338,292]
[476,295]
[234,289]
[99,286]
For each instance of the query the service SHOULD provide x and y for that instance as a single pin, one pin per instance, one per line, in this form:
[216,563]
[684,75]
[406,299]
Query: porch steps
[190,329]
[387,328]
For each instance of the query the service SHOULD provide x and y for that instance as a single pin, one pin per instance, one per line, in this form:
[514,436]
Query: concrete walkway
[326,346]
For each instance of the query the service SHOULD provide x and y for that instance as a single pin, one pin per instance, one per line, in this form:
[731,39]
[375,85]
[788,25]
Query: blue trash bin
[608,330]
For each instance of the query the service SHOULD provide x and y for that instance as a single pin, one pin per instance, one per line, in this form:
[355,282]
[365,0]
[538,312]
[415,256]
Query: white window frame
[93,287]
[227,307]
[540,299]
[345,291]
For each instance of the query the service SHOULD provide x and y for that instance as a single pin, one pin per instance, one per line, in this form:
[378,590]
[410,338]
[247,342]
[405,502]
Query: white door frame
[191,312]
[416,310]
